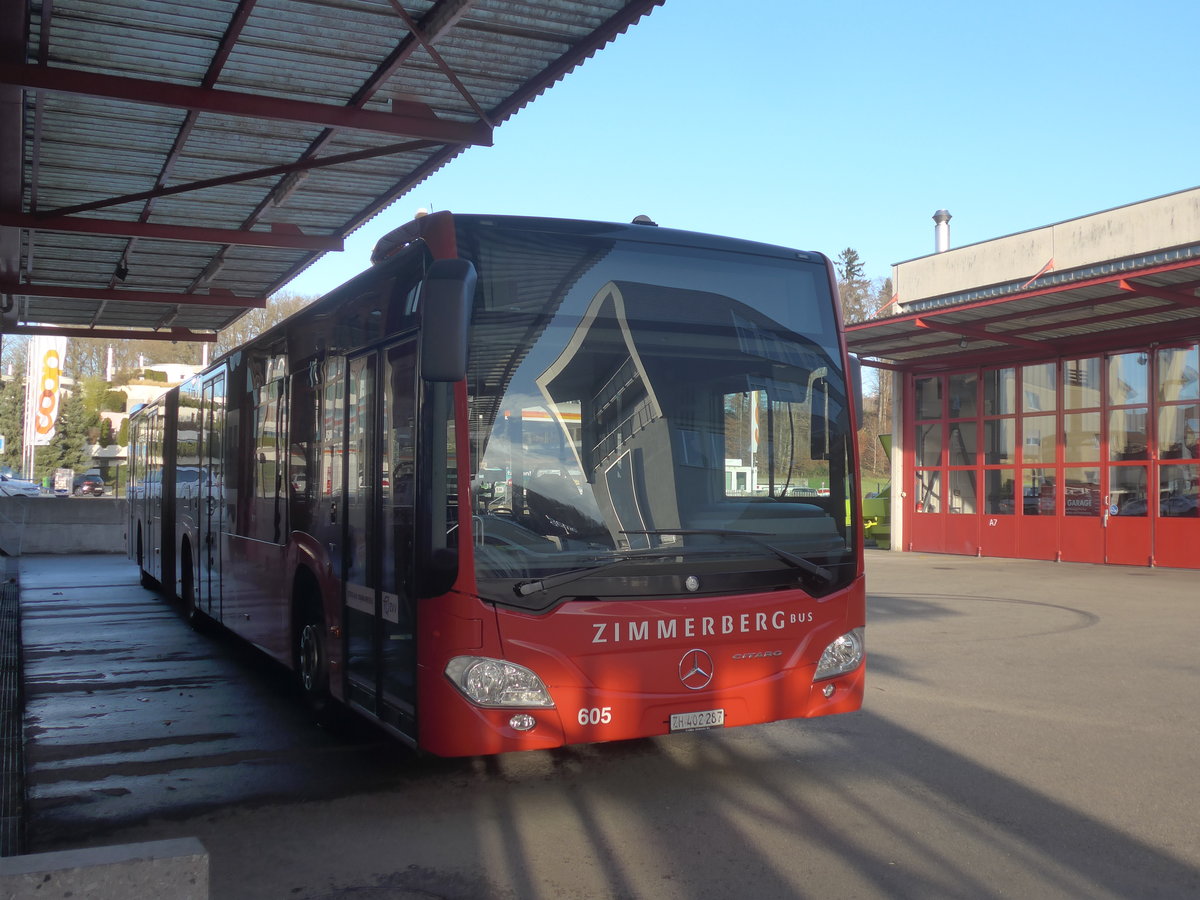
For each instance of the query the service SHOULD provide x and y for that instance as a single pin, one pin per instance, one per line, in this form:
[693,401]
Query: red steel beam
[583,50]
[105,294]
[440,18]
[172,334]
[303,165]
[1032,321]
[233,31]
[1025,295]
[1177,297]
[427,43]
[1079,345]
[281,240]
[975,332]
[885,345]
[236,103]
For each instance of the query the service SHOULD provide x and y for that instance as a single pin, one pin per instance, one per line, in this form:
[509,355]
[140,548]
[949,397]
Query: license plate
[698,721]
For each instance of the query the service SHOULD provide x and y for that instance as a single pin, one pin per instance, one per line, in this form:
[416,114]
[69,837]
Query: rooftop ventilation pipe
[941,231]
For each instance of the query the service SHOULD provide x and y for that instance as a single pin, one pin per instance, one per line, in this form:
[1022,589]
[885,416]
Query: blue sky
[825,126]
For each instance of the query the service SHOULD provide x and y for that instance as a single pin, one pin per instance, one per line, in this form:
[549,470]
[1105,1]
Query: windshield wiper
[525,588]
[798,561]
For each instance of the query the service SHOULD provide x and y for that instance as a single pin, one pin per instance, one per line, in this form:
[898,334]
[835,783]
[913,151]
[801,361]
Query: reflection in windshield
[657,418]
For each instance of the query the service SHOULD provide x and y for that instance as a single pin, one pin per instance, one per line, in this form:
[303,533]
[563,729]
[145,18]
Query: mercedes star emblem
[696,670]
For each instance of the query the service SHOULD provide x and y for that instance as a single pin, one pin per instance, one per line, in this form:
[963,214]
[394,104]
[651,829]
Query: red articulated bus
[527,483]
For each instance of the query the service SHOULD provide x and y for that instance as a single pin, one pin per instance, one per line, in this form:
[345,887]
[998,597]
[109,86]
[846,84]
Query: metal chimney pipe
[941,231]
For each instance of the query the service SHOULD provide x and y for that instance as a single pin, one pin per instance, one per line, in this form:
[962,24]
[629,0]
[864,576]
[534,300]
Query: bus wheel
[313,668]
[144,578]
[187,591]
[314,677]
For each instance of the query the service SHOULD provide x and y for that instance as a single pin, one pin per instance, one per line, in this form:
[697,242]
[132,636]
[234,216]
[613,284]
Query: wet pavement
[129,713]
[1029,730]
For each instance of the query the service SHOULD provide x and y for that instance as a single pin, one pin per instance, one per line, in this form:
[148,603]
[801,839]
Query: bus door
[212,495]
[380,609]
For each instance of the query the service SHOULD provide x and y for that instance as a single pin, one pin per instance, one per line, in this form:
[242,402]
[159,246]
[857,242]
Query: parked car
[1179,505]
[89,484]
[11,486]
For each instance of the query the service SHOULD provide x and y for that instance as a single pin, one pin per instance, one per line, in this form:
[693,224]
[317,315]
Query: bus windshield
[651,419]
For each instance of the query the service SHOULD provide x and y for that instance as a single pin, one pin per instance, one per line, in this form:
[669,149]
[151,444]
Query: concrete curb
[175,868]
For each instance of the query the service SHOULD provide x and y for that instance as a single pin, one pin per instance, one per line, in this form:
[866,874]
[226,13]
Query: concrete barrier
[176,868]
[62,525]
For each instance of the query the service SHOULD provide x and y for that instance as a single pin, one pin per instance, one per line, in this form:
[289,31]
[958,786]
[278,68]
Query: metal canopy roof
[165,166]
[1122,303]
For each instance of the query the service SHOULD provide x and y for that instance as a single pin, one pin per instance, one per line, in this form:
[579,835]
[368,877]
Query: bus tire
[311,649]
[187,590]
[314,675]
[144,577]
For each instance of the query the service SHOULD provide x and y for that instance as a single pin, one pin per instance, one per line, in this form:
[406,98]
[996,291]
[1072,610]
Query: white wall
[1137,229]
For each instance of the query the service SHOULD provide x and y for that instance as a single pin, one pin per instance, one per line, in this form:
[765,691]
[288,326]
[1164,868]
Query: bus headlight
[494,682]
[842,656]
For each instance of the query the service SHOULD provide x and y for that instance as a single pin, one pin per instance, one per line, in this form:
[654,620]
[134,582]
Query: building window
[1127,491]
[1179,491]
[1081,491]
[1037,492]
[1038,392]
[1179,374]
[1000,391]
[963,396]
[1179,431]
[999,442]
[1038,439]
[929,491]
[962,491]
[1127,434]
[1001,492]
[929,398]
[1128,379]
[928,445]
[962,443]
[1081,383]
[1081,437]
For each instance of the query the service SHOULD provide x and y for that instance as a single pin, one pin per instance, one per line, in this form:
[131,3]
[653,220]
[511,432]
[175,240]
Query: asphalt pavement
[1029,731]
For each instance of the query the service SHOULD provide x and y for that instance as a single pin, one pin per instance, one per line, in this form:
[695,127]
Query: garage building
[1048,390]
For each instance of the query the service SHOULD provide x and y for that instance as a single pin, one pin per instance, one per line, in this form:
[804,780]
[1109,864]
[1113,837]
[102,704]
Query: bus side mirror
[856,386]
[446,298]
[818,435]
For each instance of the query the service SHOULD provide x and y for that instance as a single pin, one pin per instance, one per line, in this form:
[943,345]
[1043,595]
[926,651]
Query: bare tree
[256,321]
[14,349]
[863,299]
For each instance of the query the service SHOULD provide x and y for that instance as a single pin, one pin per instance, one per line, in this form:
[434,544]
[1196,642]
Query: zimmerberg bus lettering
[695,626]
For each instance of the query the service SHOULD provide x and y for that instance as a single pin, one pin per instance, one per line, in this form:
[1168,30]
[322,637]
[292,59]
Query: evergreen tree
[72,436]
[12,411]
[854,288]
[92,390]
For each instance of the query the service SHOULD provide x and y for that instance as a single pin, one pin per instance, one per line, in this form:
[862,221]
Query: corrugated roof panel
[1063,318]
[223,145]
[87,149]
[172,42]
